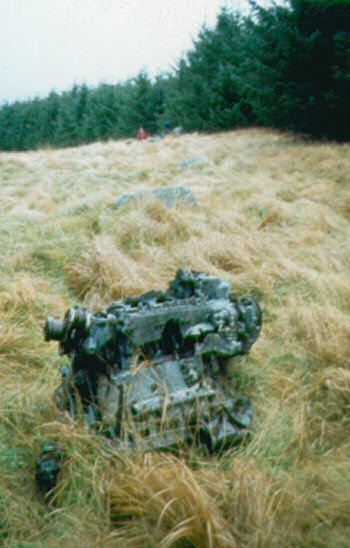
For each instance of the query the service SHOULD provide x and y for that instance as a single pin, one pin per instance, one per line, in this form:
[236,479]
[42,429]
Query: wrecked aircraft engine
[145,371]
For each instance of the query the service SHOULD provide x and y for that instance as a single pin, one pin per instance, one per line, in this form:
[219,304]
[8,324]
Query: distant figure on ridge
[142,134]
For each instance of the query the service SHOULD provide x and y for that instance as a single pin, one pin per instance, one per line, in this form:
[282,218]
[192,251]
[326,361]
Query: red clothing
[142,134]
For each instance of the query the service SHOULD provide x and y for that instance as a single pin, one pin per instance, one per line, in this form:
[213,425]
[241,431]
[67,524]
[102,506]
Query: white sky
[52,44]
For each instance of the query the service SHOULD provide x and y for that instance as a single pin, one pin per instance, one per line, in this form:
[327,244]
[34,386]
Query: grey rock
[168,195]
[193,161]
[177,130]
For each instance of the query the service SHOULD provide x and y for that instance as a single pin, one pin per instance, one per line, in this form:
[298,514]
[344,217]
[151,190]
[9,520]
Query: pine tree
[297,70]
[207,92]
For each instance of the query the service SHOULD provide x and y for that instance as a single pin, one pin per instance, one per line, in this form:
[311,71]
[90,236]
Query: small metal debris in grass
[169,196]
[48,467]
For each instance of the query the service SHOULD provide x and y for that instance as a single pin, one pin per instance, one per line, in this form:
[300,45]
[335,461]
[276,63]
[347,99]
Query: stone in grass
[193,161]
[168,195]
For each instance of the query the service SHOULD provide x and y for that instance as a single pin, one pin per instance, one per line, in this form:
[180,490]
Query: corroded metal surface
[145,371]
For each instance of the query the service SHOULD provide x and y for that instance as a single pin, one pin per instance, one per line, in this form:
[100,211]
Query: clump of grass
[277,215]
[151,223]
[336,383]
[103,273]
[161,502]
[323,332]
[9,340]
[327,414]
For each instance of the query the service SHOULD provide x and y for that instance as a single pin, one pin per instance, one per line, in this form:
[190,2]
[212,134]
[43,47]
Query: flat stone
[168,195]
[193,161]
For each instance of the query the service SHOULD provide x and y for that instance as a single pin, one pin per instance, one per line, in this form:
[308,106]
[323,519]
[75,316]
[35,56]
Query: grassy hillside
[273,219]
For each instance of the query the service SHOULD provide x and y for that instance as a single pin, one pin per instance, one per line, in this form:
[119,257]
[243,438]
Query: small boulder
[168,195]
[193,161]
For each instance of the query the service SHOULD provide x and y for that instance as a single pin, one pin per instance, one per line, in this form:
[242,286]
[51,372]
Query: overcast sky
[52,44]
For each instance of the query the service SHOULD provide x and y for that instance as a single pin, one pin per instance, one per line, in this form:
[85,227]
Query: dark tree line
[286,67]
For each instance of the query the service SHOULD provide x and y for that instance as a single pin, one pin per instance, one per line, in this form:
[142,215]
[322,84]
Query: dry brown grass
[104,271]
[273,220]
[161,501]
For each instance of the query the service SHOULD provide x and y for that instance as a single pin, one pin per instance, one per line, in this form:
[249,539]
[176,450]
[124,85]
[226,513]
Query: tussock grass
[273,220]
[202,507]
[104,271]
[169,503]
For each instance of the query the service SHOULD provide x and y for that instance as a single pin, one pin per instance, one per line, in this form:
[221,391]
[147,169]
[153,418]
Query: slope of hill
[273,219]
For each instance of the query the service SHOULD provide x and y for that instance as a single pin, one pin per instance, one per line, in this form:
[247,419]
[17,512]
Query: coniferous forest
[285,67]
